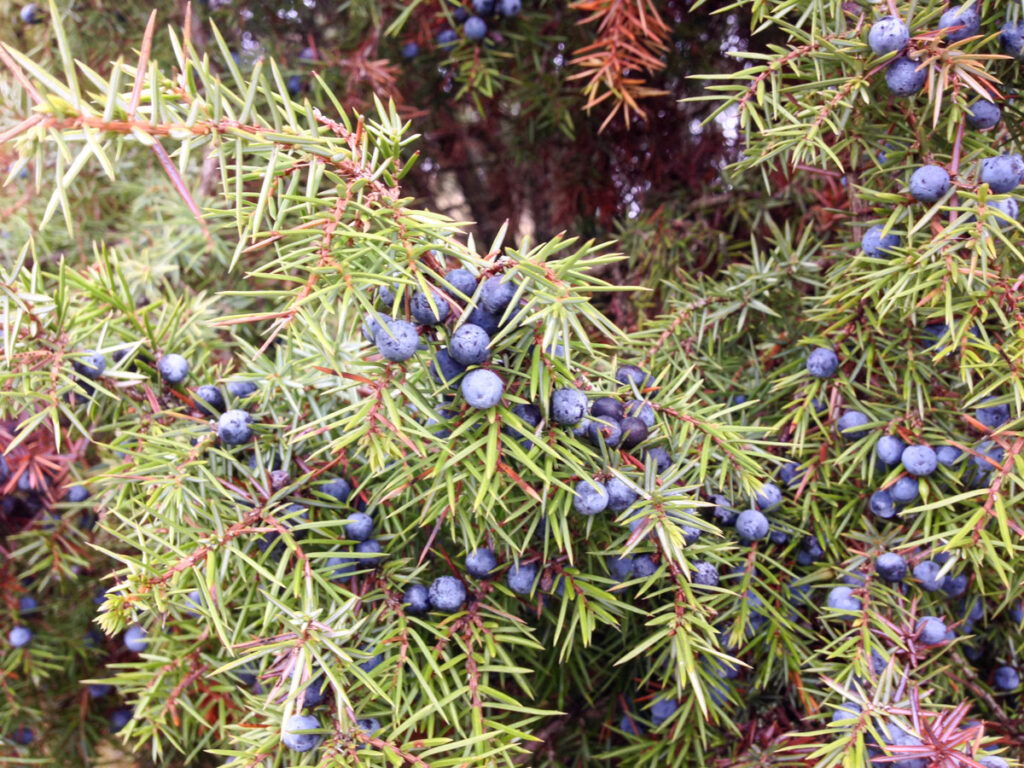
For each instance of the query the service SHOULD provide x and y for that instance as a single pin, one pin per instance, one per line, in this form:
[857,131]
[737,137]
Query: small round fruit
[882,505]
[444,369]
[948,455]
[960,22]
[822,363]
[904,78]
[294,739]
[931,630]
[397,340]
[475,28]
[891,567]
[425,314]
[241,389]
[30,14]
[173,368]
[634,432]
[135,639]
[929,183]
[233,427]
[605,430]
[91,365]
[620,495]
[704,574]
[509,8]
[889,449]
[850,423]
[462,281]
[641,410]
[768,498]
[920,460]
[905,490]
[19,637]
[416,599]
[481,562]
[446,39]
[993,416]
[660,457]
[607,408]
[209,401]
[1011,39]
[927,572]
[568,406]
[1006,679]
[497,293]
[447,594]
[843,599]
[359,526]
[410,50]
[521,578]
[591,497]
[879,244]
[752,525]
[469,345]
[1002,173]
[888,34]
[482,388]
[983,114]
[633,374]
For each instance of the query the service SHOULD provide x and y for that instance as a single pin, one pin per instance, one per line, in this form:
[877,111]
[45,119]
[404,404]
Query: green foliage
[184,206]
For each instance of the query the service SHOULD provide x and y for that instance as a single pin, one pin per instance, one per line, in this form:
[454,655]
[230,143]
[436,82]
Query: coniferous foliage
[297,472]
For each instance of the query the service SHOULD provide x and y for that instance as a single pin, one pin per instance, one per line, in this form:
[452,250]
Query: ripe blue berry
[135,639]
[948,455]
[822,363]
[1002,173]
[723,511]
[359,526]
[119,718]
[630,726]
[662,461]
[462,281]
[850,710]
[888,34]
[173,368]
[929,183]
[370,547]
[241,389]
[620,568]
[960,22]
[993,416]
[634,432]
[483,7]
[481,317]
[768,498]
[752,525]
[481,562]
[983,114]
[425,314]
[19,637]
[521,578]
[444,369]
[475,28]
[607,408]
[338,488]
[410,50]
[496,294]
[704,574]
[509,8]
[447,594]
[91,365]
[932,630]
[644,566]
[1006,679]
[209,401]
[891,566]
[76,494]
[662,710]
[446,38]
[1011,39]
[889,449]
[620,495]
[469,345]
[843,599]
[920,460]
[482,388]
[591,497]
[369,725]
[99,690]
[605,430]
[904,78]
[633,374]
[641,410]
[233,427]
[927,572]
[568,406]
[315,691]
[850,423]
[905,490]
[397,340]
[875,243]
[416,599]
[294,739]
[30,14]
